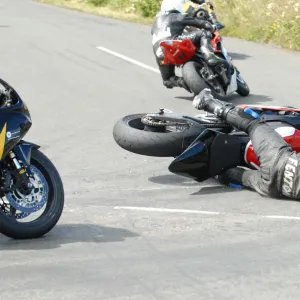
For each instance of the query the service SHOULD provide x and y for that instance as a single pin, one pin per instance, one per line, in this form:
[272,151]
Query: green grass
[276,22]
[115,9]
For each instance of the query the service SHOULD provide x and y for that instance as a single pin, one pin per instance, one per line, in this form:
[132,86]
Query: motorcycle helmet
[189,7]
[173,5]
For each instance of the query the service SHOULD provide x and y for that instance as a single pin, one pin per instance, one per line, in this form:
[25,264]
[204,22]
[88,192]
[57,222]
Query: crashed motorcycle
[223,80]
[29,182]
[203,146]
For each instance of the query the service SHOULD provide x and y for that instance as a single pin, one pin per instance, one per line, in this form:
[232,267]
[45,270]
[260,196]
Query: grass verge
[109,11]
[268,21]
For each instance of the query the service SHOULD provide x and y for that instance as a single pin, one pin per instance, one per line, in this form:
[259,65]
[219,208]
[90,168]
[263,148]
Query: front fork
[22,177]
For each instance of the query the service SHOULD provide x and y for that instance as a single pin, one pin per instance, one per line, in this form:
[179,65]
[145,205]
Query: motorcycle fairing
[290,134]
[232,87]
[270,107]
[210,154]
[225,153]
[177,52]
[228,59]
[194,161]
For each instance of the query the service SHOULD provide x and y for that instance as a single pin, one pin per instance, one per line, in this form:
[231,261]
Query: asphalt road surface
[130,229]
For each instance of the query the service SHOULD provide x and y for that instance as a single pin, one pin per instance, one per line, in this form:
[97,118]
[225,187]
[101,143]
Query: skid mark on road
[126,58]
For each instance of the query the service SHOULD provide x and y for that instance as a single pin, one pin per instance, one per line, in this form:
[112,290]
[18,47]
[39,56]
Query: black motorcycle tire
[129,134]
[195,82]
[53,208]
[242,87]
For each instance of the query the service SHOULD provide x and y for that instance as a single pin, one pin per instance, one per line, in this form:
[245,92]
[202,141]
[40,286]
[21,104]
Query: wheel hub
[30,202]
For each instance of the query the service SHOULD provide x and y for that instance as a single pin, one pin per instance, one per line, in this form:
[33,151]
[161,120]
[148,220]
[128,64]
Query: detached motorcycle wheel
[195,82]
[130,134]
[10,226]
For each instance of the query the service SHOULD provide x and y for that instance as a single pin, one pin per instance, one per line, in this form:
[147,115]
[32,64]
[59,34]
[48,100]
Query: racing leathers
[171,25]
[279,173]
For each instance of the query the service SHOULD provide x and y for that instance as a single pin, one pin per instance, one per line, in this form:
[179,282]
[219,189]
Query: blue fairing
[193,150]
[197,146]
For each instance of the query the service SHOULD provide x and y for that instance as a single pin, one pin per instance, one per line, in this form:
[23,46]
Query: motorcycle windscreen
[194,161]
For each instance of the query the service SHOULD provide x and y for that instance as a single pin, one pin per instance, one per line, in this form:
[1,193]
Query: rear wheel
[48,191]
[196,83]
[147,134]
[131,134]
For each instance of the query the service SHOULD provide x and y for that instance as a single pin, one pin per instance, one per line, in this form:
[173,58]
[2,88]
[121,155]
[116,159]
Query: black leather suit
[279,174]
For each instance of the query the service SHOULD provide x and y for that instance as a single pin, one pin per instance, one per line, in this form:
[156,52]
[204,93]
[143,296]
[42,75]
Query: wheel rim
[27,204]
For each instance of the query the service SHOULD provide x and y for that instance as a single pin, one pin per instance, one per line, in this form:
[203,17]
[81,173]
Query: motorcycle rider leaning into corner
[279,174]
[170,23]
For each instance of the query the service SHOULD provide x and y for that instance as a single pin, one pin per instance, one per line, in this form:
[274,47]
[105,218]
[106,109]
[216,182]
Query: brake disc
[156,121]
[29,203]
[6,207]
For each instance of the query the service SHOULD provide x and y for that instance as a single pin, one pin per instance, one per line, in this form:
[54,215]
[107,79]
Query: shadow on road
[210,186]
[251,99]
[188,98]
[237,99]
[69,234]
[238,56]
[173,180]
[215,190]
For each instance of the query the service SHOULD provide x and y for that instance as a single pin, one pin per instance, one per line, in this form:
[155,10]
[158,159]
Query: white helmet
[168,5]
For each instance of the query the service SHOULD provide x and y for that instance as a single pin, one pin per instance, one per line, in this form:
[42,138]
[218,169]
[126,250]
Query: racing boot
[242,119]
[210,57]
[176,81]
[208,51]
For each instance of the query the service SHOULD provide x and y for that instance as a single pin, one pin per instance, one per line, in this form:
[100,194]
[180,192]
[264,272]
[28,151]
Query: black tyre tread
[243,89]
[194,81]
[150,143]
[49,218]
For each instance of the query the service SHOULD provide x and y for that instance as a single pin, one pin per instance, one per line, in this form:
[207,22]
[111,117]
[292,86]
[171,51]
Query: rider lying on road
[170,23]
[279,174]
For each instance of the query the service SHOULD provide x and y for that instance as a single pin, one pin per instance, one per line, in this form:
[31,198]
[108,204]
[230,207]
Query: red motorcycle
[203,146]
[223,80]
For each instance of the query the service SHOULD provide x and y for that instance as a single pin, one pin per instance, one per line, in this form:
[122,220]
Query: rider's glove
[215,27]
[219,26]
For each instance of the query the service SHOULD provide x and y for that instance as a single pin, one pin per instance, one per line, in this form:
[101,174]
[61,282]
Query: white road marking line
[282,217]
[153,209]
[72,208]
[128,59]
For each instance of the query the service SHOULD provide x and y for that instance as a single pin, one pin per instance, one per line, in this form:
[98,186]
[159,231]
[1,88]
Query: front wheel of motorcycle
[48,189]
[242,86]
